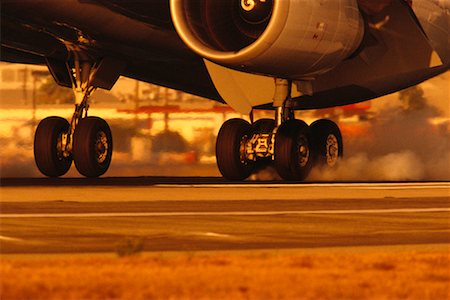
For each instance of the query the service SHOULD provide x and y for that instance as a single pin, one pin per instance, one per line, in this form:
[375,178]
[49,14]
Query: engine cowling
[295,39]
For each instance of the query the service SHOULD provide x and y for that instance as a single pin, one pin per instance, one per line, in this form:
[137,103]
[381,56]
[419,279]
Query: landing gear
[49,147]
[291,145]
[86,140]
[294,147]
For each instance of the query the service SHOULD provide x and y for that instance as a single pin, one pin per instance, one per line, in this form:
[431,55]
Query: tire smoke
[399,144]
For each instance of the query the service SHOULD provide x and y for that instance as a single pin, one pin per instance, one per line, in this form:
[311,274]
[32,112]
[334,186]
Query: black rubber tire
[48,159]
[327,142]
[290,136]
[228,150]
[263,126]
[91,157]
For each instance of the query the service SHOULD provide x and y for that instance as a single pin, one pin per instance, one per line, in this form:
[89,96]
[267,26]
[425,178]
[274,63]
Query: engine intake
[225,25]
[294,39]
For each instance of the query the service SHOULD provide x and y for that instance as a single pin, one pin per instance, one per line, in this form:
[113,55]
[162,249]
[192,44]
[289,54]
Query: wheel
[327,142]
[293,157]
[48,150]
[92,147]
[230,148]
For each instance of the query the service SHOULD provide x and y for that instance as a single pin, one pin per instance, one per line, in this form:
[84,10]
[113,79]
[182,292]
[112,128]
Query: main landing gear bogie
[290,144]
[91,149]
[293,147]
[85,140]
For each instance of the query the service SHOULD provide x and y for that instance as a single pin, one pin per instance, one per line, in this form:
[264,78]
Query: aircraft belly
[190,77]
[90,24]
[152,53]
[156,13]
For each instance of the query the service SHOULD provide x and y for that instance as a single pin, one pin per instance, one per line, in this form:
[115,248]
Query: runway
[165,214]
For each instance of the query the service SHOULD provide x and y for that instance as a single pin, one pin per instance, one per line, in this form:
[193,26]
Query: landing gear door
[107,73]
[240,90]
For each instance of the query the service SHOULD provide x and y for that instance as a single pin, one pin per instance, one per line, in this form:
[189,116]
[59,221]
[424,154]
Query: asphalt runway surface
[78,215]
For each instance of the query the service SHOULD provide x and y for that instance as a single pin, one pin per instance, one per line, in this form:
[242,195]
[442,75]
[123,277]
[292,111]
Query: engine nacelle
[295,39]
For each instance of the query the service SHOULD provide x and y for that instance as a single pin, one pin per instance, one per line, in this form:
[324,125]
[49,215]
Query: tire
[92,147]
[229,143]
[48,153]
[263,126]
[327,142]
[293,152]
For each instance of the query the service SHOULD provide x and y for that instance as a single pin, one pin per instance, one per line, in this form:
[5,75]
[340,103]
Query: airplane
[278,55]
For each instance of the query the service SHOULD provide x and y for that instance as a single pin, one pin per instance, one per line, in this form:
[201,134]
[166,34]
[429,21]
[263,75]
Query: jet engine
[295,39]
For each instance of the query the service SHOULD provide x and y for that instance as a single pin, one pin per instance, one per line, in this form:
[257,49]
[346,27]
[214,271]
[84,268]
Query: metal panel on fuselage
[396,54]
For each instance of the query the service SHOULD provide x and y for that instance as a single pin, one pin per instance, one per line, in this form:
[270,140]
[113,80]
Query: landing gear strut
[85,140]
[291,145]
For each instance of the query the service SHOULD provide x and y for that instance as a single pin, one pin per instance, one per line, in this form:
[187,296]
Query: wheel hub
[332,150]
[303,151]
[101,147]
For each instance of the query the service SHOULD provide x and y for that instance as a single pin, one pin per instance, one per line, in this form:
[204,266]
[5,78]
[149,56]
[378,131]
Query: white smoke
[17,161]
[402,166]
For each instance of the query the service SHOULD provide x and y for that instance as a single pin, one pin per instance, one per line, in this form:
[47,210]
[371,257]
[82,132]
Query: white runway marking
[9,239]
[213,234]
[370,186]
[224,213]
